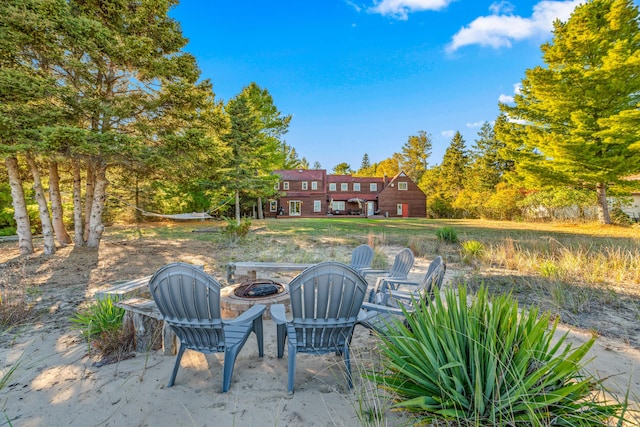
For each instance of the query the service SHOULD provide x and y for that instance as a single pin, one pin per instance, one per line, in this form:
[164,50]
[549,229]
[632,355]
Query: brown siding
[391,196]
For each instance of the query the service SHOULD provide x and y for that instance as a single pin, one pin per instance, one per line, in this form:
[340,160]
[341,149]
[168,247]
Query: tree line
[99,101]
[570,137]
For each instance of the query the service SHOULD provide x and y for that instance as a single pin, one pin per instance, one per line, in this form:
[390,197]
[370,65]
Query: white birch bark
[260,212]
[20,214]
[88,197]
[43,208]
[57,217]
[96,228]
[78,222]
[603,206]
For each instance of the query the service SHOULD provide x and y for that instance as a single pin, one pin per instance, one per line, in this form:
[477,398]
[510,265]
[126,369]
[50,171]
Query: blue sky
[362,76]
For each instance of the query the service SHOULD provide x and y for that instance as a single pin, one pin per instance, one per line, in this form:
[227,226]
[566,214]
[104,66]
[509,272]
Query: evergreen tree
[568,124]
[415,153]
[366,164]
[317,165]
[342,169]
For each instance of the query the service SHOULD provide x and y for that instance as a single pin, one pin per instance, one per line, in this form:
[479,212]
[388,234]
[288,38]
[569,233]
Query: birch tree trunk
[78,223]
[260,212]
[57,217]
[603,206]
[20,214]
[88,197]
[96,228]
[237,207]
[45,217]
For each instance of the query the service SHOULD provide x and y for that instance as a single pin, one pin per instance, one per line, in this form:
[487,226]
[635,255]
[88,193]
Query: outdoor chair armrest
[367,306]
[278,314]
[366,271]
[248,316]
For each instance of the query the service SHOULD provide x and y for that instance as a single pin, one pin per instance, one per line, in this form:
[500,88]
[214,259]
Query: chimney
[384,181]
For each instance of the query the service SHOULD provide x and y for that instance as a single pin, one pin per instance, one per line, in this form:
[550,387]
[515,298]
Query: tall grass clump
[471,251]
[15,309]
[101,325]
[487,363]
[447,234]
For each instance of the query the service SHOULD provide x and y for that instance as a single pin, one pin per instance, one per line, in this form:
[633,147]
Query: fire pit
[258,288]
[236,299]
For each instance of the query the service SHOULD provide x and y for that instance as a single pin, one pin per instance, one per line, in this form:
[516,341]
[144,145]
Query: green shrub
[235,230]
[472,249]
[447,234]
[101,325]
[489,364]
[619,217]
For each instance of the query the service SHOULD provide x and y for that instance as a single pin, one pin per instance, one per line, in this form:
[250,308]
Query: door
[405,210]
[295,207]
[370,209]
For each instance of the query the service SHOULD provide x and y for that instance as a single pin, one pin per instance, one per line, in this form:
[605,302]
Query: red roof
[301,174]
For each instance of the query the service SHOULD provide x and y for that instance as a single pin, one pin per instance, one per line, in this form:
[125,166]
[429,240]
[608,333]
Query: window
[314,185]
[332,186]
[317,205]
[305,185]
[373,187]
[399,208]
[338,206]
[344,186]
[356,186]
[273,206]
[285,185]
[277,186]
[295,207]
[402,186]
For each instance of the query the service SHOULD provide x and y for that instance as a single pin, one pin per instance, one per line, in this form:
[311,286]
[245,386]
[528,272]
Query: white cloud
[400,9]
[475,124]
[501,7]
[353,5]
[517,87]
[448,133]
[505,99]
[502,27]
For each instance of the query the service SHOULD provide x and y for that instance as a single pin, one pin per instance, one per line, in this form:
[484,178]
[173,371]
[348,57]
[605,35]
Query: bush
[619,217]
[447,234]
[472,249]
[235,230]
[101,325]
[489,364]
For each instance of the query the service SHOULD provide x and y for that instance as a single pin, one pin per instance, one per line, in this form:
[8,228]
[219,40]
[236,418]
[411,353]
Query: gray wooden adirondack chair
[325,302]
[189,301]
[402,264]
[391,295]
[361,258]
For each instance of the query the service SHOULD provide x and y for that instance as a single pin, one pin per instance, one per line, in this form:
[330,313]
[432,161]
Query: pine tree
[415,153]
[568,124]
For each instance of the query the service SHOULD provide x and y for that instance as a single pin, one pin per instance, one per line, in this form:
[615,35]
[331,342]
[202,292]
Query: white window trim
[314,185]
[285,185]
[305,185]
[273,206]
[399,208]
[344,186]
[373,187]
[356,186]
[317,206]
[403,186]
[332,186]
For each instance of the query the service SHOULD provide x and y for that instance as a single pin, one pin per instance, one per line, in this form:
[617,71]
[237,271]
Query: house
[313,193]
[633,208]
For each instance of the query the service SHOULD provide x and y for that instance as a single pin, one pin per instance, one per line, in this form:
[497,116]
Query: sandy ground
[58,383]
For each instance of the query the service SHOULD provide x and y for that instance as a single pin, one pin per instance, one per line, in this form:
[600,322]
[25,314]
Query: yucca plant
[99,318]
[447,234]
[487,363]
[471,250]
